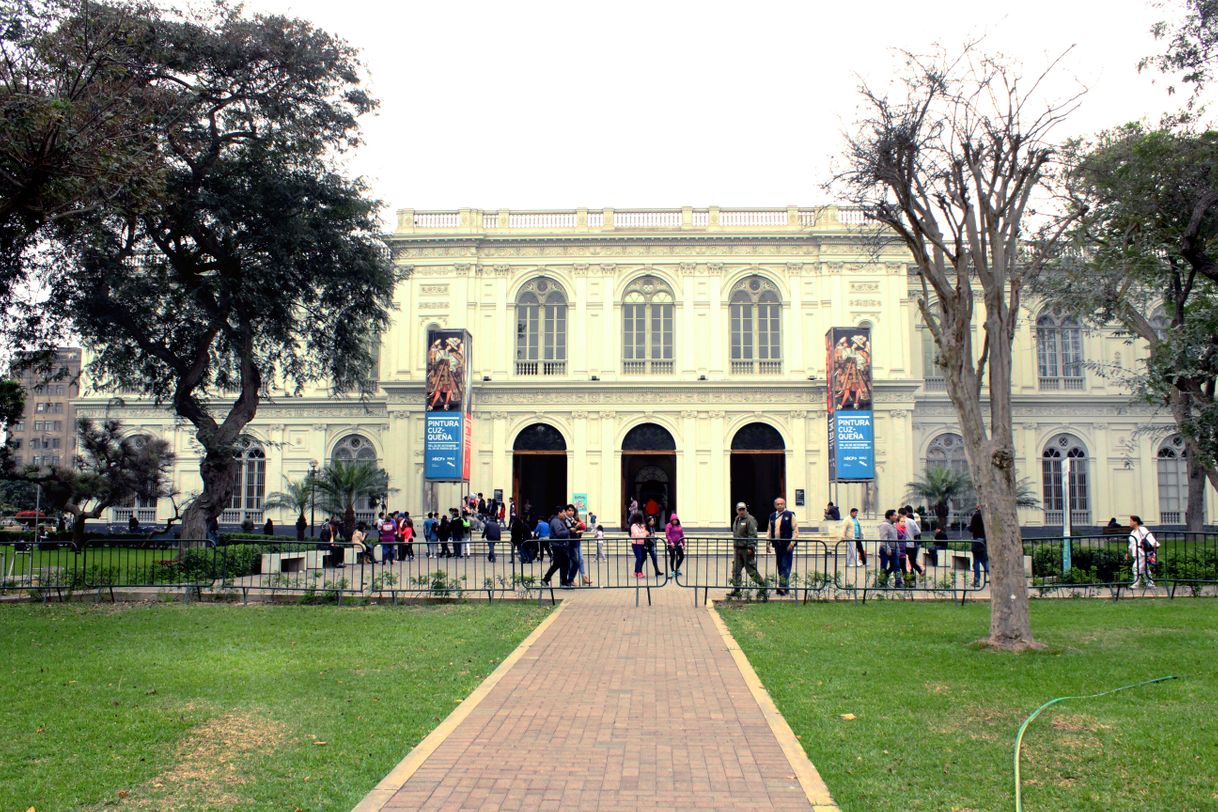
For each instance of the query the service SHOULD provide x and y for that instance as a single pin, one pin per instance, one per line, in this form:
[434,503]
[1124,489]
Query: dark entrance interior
[758,470]
[649,471]
[539,471]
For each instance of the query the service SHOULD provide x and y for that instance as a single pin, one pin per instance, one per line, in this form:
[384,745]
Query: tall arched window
[1173,480]
[354,448]
[541,328]
[754,309]
[1059,352]
[1060,448]
[249,483]
[947,451]
[647,310]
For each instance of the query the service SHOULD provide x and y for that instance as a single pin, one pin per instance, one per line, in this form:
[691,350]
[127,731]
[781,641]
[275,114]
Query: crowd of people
[559,536]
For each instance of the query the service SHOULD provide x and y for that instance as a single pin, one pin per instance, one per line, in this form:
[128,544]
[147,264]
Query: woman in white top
[1142,546]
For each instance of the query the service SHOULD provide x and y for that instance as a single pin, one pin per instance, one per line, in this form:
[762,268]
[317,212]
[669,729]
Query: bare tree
[950,166]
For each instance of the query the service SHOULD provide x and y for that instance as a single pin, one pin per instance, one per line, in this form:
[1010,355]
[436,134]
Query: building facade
[678,355]
[45,435]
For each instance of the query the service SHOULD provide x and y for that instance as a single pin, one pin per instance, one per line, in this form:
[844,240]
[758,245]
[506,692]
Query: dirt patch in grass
[210,761]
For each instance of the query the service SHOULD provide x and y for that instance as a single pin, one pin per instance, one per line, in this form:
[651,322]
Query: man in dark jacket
[560,562]
[492,533]
[981,554]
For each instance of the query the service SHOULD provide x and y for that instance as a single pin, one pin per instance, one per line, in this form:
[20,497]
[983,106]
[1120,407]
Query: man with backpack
[1142,547]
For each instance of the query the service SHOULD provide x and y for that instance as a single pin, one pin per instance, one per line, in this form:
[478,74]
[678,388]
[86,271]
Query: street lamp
[312,496]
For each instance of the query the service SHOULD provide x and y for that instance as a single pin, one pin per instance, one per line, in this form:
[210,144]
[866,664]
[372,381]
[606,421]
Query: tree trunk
[348,522]
[1194,514]
[217,469]
[78,527]
[989,446]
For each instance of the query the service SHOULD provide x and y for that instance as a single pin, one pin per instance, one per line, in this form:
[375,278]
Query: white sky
[665,103]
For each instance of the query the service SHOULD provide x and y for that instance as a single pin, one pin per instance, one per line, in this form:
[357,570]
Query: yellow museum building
[679,354]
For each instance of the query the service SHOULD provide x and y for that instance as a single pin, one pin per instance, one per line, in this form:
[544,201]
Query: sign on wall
[447,426]
[851,428]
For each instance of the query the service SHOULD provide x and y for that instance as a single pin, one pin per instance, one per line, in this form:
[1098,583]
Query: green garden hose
[1035,713]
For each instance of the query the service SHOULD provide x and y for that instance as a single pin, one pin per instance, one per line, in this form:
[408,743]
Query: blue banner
[443,455]
[853,444]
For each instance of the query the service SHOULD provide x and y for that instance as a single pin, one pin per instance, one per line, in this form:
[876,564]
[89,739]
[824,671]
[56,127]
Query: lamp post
[312,497]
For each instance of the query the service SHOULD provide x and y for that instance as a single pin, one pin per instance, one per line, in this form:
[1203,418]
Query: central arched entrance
[649,472]
[539,471]
[758,469]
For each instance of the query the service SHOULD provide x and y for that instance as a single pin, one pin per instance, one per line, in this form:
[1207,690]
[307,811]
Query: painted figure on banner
[852,360]
[445,374]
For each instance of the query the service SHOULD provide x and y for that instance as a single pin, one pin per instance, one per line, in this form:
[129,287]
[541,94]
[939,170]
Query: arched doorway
[758,469]
[539,470]
[649,472]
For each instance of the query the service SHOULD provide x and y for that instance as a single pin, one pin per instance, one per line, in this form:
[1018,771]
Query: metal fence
[755,571]
[814,568]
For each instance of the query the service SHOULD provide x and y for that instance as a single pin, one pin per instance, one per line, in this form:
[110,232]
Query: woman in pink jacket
[675,534]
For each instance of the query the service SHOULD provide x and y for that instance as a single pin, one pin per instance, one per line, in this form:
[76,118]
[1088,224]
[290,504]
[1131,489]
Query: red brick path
[613,707]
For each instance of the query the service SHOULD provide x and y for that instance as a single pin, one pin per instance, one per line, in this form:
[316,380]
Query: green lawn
[936,717]
[219,706]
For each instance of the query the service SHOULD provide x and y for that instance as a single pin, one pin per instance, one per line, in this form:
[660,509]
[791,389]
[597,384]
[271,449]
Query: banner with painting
[849,392]
[447,423]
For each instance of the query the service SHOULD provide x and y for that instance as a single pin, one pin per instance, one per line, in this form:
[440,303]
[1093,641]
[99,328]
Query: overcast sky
[665,103]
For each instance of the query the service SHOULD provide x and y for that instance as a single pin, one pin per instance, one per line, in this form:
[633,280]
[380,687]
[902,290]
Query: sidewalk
[614,707]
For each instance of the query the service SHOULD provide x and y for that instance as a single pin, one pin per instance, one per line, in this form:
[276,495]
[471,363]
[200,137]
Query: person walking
[519,534]
[542,533]
[888,546]
[575,547]
[429,534]
[981,554]
[1142,549]
[744,542]
[560,562]
[638,540]
[783,532]
[650,545]
[852,534]
[674,534]
[492,533]
[600,543]
[913,529]
[443,534]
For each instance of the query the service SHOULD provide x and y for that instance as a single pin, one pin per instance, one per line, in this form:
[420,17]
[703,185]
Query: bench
[292,562]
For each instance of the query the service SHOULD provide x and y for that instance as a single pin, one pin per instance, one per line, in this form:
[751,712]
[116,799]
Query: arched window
[1059,352]
[1060,448]
[1173,480]
[947,451]
[647,310]
[249,483]
[354,448]
[754,309]
[541,328]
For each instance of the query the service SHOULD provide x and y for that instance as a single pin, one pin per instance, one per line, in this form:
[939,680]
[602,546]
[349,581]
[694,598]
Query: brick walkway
[613,707]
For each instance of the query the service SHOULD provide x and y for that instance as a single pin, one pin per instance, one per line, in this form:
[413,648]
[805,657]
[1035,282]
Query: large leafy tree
[76,88]
[948,166]
[111,469]
[1142,257]
[255,263]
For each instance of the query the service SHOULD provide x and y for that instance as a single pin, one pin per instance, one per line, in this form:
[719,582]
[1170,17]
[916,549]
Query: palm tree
[341,484]
[940,486]
[294,496]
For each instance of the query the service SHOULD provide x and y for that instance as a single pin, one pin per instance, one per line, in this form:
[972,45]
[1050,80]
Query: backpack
[1148,544]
